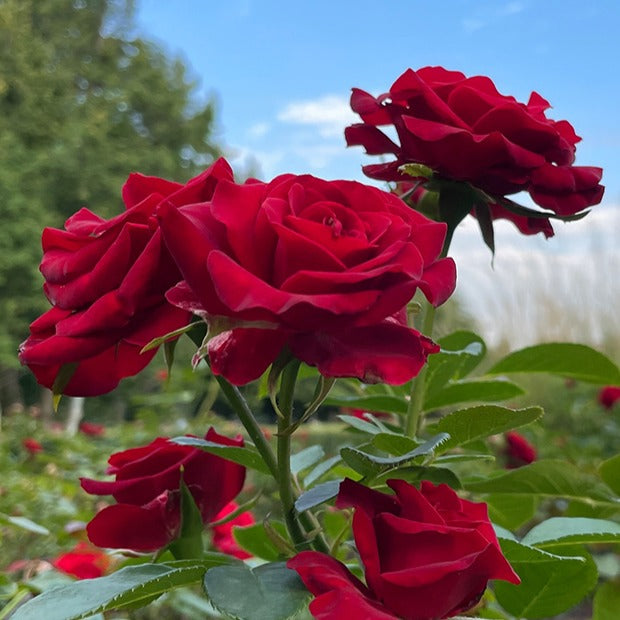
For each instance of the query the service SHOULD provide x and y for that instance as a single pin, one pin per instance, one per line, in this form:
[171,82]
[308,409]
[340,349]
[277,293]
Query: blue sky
[282,73]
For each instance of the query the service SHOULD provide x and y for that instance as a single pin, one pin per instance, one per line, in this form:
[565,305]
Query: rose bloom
[84,561]
[32,445]
[106,280]
[324,268]
[91,429]
[222,535]
[426,554]
[147,488]
[608,396]
[519,451]
[465,130]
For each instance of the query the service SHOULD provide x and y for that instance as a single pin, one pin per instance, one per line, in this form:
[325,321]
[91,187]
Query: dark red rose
[426,553]
[84,561]
[147,488]
[32,445]
[519,451]
[222,535]
[465,130]
[107,280]
[323,267]
[91,429]
[608,396]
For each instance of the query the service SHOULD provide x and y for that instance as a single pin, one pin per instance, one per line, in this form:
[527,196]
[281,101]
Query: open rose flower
[84,561]
[465,130]
[608,396]
[147,488]
[106,280]
[519,451]
[323,267]
[426,554]
[222,534]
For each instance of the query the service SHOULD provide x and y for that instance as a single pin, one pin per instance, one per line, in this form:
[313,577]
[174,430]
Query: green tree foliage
[83,102]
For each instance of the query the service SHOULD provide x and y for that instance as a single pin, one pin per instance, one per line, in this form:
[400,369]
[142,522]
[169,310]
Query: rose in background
[147,515]
[324,268]
[463,129]
[32,446]
[222,535]
[518,450]
[609,396]
[426,554]
[106,281]
[84,561]
[91,429]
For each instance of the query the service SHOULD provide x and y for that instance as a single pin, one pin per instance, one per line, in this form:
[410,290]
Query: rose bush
[426,554]
[106,280]
[147,484]
[323,267]
[465,130]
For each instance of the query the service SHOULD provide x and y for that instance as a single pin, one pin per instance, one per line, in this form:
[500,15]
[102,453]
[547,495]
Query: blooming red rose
[465,130]
[323,267]
[32,445]
[222,535]
[519,451]
[91,429]
[608,396]
[84,561]
[147,488]
[107,280]
[426,553]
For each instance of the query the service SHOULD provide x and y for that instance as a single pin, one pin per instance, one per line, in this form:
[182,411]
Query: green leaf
[550,584]
[577,361]
[255,540]
[189,542]
[268,592]
[570,530]
[467,425]
[485,222]
[511,511]
[607,601]
[473,390]
[306,458]
[321,469]
[394,444]
[609,471]
[414,474]
[549,478]
[317,495]
[128,587]
[360,425]
[381,404]
[24,524]
[248,456]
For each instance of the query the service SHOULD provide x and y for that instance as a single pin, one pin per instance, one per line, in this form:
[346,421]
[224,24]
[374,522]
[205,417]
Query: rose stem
[418,384]
[244,413]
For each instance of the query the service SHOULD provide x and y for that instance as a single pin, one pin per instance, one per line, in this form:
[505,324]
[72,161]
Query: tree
[83,102]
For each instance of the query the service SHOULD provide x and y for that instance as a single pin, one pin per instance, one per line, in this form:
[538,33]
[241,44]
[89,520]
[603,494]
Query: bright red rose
[426,553]
[323,267]
[84,561]
[107,280]
[91,429]
[465,130]
[222,535]
[519,451]
[608,396]
[32,445]
[147,488]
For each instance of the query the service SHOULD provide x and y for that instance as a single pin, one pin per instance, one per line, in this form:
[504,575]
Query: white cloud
[258,130]
[330,114]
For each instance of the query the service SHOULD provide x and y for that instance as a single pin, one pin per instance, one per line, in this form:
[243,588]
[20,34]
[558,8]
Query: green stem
[418,384]
[245,415]
[285,488]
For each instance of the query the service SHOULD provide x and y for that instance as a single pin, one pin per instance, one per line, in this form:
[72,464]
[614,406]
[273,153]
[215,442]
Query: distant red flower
[84,561]
[162,375]
[519,451]
[91,429]
[222,535]
[608,396]
[32,445]
[361,413]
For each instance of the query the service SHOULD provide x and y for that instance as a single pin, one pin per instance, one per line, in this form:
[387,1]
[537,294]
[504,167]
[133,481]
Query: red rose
[222,535]
[32,445]
[107,280]
[324,267]
[465,130]
[608,396]
[84,561]
[426,554]
[519,451]
[91,429]
[147,488]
